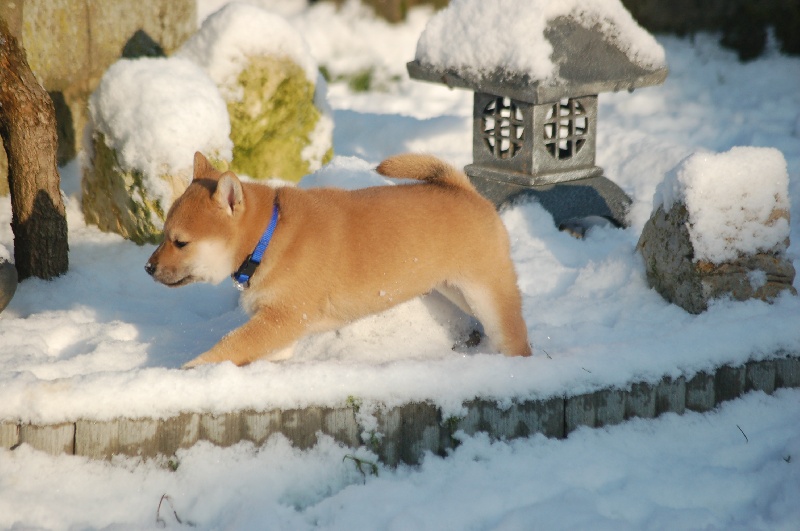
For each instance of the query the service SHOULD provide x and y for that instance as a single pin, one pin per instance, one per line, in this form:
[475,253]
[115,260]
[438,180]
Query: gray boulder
[672,270]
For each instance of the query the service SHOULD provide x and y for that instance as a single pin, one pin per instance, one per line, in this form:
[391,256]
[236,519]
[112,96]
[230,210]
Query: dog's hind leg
[454,295]
[498,307]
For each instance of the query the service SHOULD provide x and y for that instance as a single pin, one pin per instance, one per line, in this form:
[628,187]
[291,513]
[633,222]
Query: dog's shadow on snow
[177,324]
[426,327]
[106,279]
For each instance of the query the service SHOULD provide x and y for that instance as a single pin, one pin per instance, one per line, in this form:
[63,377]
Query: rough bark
[28,130]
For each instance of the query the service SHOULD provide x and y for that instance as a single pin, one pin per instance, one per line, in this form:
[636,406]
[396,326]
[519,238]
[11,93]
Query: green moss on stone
[366,80]
[274,120]
[362,81]
[118,201]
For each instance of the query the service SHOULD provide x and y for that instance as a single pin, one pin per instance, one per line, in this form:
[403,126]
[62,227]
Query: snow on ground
[105,340]
[734,469]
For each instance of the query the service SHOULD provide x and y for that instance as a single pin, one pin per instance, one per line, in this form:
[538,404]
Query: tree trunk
[28,130]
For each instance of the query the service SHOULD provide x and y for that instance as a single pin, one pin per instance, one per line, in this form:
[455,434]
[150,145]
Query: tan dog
[337,256]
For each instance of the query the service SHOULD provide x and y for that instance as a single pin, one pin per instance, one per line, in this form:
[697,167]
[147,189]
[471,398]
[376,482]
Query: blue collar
[241,278]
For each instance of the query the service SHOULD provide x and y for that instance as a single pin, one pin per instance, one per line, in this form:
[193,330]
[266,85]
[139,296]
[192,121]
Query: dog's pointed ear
[229,194]
[201,166]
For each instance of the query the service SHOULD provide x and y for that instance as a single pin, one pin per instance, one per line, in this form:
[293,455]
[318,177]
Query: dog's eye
[180,244]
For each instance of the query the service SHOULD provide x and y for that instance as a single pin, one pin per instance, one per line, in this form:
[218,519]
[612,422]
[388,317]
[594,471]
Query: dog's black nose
[150,268]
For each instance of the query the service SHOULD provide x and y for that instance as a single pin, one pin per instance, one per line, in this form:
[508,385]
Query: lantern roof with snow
[538,51]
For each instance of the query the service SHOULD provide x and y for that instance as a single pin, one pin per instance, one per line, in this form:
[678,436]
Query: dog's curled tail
[424,168]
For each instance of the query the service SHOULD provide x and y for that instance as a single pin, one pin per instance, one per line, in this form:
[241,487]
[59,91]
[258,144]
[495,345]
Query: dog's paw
[470,342]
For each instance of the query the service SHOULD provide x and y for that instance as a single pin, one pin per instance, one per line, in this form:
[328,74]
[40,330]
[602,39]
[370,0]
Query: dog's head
[200,229]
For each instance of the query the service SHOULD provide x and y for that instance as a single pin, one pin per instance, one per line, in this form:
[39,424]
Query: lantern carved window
[503,128]
[565,129]
[533,143]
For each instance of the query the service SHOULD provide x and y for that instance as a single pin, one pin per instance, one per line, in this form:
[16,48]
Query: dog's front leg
[267,335]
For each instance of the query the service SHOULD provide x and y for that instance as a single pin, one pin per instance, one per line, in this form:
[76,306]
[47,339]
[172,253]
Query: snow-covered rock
[281,125]
[148,116]
[720,227]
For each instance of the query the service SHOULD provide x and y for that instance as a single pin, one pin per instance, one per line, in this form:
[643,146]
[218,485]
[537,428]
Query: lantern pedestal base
[567,201]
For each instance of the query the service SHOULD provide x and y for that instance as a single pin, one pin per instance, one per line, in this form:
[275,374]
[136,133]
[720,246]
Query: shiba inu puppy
[315,260]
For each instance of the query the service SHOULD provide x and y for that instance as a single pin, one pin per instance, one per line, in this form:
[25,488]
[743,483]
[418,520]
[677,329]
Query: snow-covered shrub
[147,118]
[281,125]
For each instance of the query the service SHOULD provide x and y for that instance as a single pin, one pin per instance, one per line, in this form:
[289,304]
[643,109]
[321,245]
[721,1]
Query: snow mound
[281,124]
[230,37]
[155,113]
[738,201]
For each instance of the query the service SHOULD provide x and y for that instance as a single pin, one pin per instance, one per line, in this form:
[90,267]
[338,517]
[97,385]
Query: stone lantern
[537,136]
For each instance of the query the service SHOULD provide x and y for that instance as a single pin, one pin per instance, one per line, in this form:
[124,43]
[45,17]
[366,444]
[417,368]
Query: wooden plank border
[404,434]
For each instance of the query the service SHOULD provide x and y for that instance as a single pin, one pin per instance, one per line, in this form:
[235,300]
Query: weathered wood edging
[405,433]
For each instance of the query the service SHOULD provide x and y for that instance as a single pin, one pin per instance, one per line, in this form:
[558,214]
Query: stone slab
[341,424]
[408,432]
[518,420]
[260,426]
[640,401]
[9,435]
[53,439]
[787,372]
[760,376]
[97,439]
[729,383]
[301,426]
[700,393]
[671,395]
